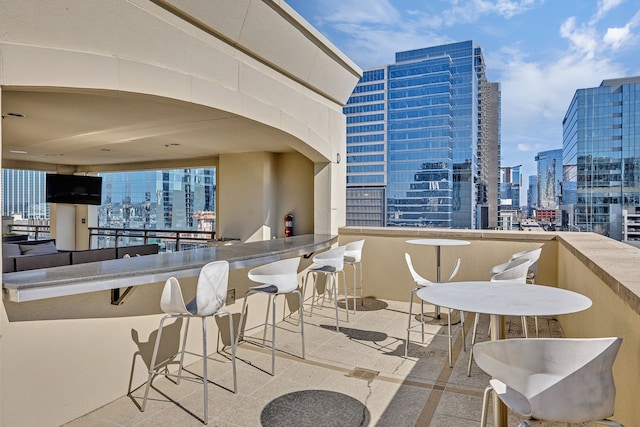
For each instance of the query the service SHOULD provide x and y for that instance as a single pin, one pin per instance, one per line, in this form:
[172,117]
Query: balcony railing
[107,237]
[167,240]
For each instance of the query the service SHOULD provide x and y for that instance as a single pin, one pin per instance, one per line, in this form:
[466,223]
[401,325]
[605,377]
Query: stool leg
[273,337]
[152,365]
[361,285]
[182,351]
[301,322]
[205,379]
[233,352]
[240,333]
[334,287]
[346,297]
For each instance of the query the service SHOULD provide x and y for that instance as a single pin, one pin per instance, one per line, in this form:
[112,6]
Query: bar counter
[120,273]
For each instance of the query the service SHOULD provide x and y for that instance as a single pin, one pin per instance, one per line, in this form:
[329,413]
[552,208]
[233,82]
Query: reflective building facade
[601,156]
[413,137]
[23,194]
[549,168]
[162,199]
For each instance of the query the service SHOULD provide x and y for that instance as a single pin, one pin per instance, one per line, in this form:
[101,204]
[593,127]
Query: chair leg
[464,341]
[525,329]
[473,341]
[485,406]
[422,317]
[535,319]
[450,339]
[406,344]
[205,376]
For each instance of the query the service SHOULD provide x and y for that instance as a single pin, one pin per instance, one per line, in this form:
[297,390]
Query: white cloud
[604,6]
[615,37]
[361,12]
[584,38]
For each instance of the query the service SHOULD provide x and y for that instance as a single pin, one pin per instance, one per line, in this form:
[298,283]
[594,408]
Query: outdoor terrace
[355,377]
[358,376]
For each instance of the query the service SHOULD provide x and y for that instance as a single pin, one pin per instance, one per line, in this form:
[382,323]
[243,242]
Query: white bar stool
[211,293]
[280,277]
[353,257]
[330,263]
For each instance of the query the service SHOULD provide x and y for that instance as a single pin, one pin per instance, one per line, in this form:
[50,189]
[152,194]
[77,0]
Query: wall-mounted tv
[74,189]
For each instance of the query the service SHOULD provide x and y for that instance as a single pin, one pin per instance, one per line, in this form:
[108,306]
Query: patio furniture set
[538,378]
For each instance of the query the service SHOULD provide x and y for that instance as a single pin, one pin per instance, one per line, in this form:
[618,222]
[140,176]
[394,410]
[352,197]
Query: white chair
[211,293]
[552,379]
[279,277]
[353,257]
[329,263]
[514,271]
[533,255]
[420,283]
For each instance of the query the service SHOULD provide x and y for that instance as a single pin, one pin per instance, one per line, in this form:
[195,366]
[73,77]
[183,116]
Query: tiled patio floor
[355,377]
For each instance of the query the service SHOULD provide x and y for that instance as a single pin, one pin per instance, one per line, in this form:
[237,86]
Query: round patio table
[438,243]
[499,299]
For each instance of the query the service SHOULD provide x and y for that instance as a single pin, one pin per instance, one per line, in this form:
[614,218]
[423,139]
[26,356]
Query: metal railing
[107,237]
[31,231]
[167,240]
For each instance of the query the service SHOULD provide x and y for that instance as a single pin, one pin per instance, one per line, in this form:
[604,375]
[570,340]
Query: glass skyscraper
[532,195]
[23,194]
[162,199]
[549,165]
[413,138]
[601,156]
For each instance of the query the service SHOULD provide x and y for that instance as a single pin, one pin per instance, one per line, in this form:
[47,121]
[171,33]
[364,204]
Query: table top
[438,242]
[504,298]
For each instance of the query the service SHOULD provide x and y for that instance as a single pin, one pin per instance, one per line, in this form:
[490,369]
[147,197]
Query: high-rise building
[601,156]
[163,199]
[509,191]
[415,129]
[23,194]
[549,166]
[532,195]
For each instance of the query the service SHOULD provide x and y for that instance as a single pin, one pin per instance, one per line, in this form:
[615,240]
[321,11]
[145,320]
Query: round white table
[500,299]
[438,243]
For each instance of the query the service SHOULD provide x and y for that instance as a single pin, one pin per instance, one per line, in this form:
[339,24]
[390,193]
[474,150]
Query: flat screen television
[74,189]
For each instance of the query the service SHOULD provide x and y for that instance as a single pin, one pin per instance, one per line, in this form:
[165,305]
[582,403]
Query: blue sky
[541,51]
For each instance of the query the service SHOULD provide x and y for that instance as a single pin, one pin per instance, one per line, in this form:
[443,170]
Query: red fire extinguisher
[288,225]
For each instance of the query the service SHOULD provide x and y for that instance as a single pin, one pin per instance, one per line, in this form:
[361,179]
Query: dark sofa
[43,254]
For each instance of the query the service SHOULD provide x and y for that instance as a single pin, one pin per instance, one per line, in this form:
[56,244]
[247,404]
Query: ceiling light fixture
[17,152]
